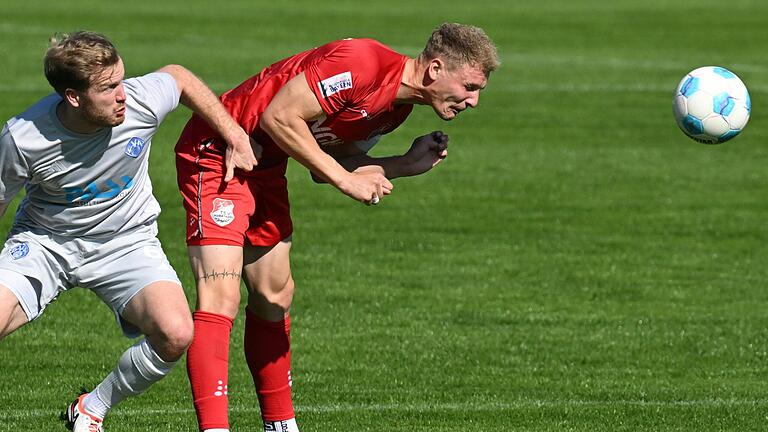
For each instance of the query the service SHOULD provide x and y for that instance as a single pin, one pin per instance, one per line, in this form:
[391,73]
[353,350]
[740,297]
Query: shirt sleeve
[343,77]
[13,170]
[156,94]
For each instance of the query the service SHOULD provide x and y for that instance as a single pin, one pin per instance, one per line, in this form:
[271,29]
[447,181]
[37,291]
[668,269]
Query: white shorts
[37,266]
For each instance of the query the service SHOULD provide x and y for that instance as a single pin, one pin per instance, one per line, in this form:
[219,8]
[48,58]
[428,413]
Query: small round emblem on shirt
[20,250]
[134,147]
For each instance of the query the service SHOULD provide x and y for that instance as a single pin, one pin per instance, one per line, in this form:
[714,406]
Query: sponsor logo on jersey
[323,134]
[99,192]
[134,147]
[335,84]
[223,212]
[20,250]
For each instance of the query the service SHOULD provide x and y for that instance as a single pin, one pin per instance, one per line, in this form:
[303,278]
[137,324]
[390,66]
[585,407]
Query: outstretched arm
[285,120]
[199,98]
[426,152]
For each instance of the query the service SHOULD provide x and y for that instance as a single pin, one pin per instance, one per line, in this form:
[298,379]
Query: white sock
[138,368]
[281,426]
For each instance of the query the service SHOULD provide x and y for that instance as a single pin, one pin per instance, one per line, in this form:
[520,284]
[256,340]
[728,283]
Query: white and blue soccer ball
[711,105]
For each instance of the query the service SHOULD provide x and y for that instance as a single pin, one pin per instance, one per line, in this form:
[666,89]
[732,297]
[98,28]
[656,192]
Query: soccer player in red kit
[326,108]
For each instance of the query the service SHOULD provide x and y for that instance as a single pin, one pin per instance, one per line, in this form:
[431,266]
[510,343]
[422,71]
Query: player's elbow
[267,121]
[278,124]
[273,120]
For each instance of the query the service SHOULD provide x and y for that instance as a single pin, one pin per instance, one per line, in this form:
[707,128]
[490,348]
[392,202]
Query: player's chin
[448,114]
[117,121]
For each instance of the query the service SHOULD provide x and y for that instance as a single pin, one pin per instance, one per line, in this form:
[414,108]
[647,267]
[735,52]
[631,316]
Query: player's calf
[138,368]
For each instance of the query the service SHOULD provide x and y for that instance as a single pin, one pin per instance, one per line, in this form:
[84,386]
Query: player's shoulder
[150,97]
[360,42]
[365,46]
[365,56]
[33,118]
[149,82]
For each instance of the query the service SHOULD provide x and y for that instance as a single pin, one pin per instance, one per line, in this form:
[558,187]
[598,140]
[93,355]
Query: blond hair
[73,59]
[458,45]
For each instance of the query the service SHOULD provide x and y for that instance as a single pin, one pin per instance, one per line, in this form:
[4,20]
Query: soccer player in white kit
[89,217]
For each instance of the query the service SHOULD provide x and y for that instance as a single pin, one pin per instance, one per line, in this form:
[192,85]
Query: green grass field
[577,263]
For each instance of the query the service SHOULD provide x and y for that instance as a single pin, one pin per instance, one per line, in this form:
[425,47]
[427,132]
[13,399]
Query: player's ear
[72,97]
[435,68]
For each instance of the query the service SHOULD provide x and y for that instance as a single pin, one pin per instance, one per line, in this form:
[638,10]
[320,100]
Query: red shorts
[250,209]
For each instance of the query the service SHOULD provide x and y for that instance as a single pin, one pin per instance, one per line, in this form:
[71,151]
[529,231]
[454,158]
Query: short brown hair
[458,45]
[72,59]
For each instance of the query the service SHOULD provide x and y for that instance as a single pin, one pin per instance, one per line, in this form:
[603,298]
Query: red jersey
[354,80]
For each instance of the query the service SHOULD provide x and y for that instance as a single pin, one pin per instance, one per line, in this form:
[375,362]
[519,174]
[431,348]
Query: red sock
[268,353]
[208,367]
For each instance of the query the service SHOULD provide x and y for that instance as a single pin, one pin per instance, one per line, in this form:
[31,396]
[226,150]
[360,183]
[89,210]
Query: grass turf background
[576,263]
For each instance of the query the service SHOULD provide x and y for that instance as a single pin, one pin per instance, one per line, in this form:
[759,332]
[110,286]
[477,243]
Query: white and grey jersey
[85,185]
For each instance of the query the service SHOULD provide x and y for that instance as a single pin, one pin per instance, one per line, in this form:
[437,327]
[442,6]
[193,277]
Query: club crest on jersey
[335,84]
[134,147]
[223,212]
[20,250]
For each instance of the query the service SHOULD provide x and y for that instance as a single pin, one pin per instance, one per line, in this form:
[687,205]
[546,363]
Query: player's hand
[242,153]
[366,187]
[426,152]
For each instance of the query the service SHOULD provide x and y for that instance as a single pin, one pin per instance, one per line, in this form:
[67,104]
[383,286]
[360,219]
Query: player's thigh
[267,273]
[12,315]
[120,270]
[267,269]
[217,271]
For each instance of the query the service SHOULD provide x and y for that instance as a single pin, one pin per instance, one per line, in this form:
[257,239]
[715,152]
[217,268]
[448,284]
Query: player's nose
[120,94]
[473,99]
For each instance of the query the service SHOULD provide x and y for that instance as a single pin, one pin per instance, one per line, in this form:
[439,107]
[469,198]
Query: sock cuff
[151,360]
[213,318]
[252,319]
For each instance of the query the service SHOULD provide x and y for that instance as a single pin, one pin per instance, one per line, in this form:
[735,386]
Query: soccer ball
[711,105]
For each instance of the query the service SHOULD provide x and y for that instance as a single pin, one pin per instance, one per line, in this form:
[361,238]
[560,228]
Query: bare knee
[279,294]
[272,300]
[222,299]
[173,337]
[284,297]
